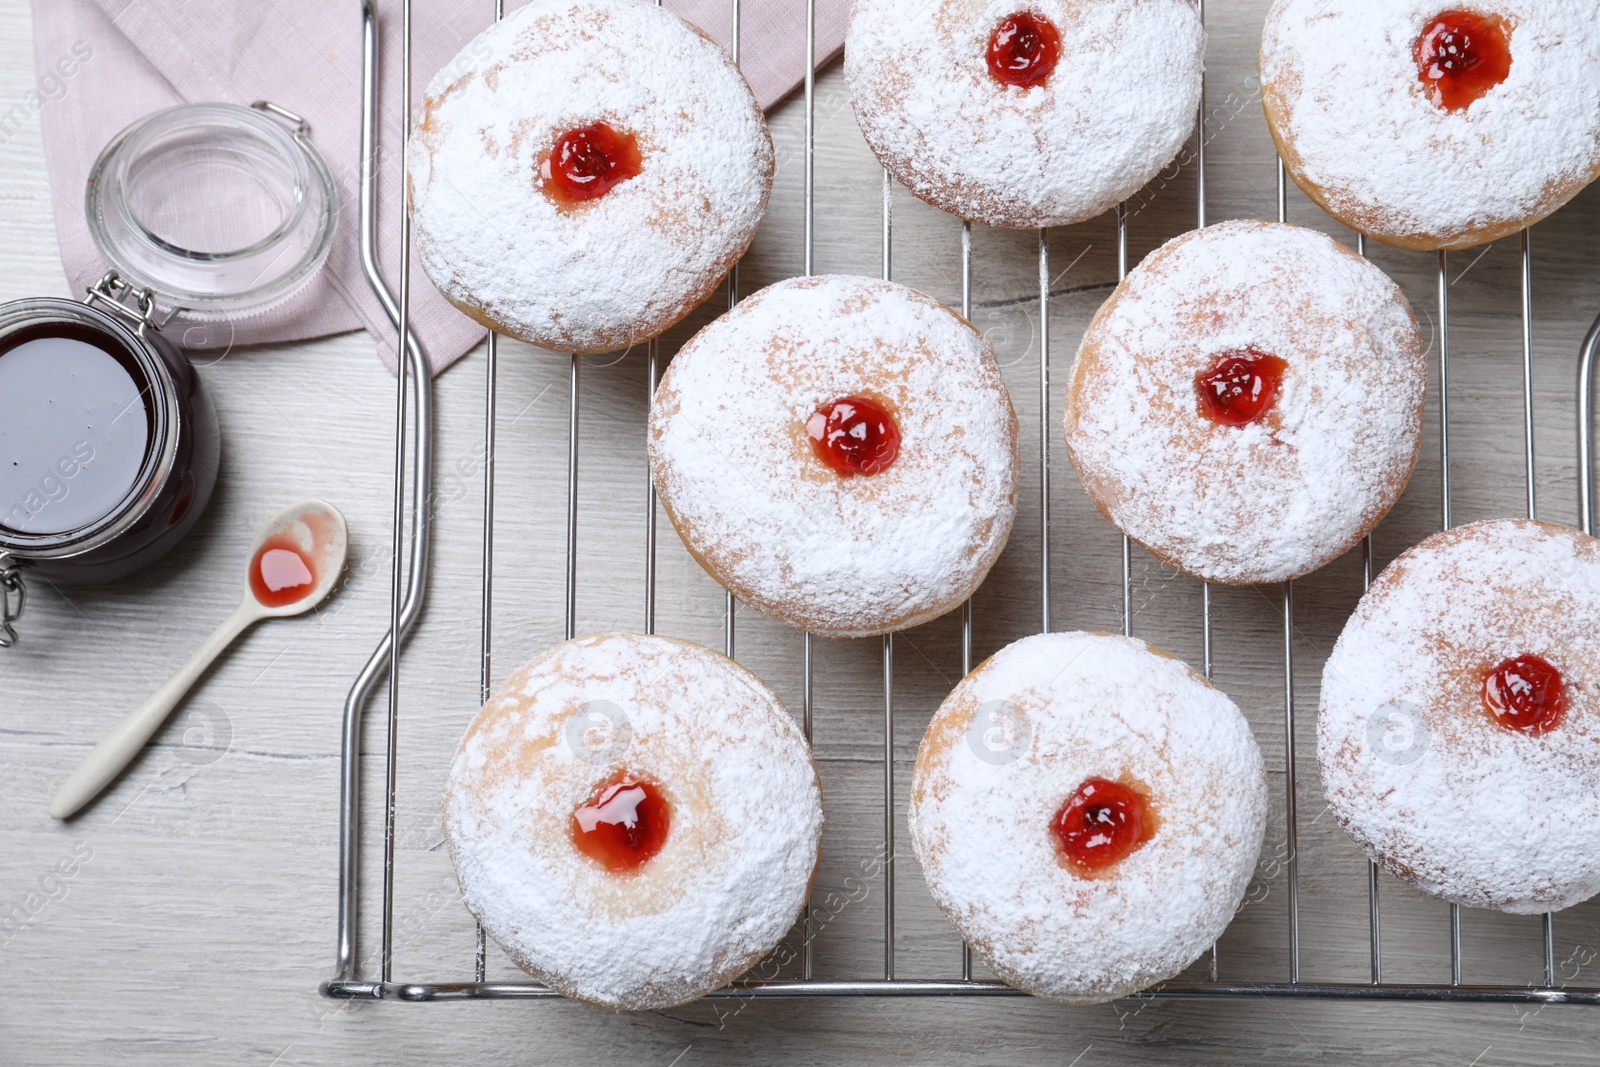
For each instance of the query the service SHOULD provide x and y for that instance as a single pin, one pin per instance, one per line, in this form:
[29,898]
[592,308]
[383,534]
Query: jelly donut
[585,171]
[1088,812]
[1459,735]
[1425,124]
[635,820]
[1248,403]
[840,453]
[1027,113]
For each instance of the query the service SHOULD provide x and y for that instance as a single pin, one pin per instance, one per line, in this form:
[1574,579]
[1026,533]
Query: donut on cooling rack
[1248,404]
[839,452]
[585,171]
[1459,735]
[1026,114]
[635,820]
[1431,125]
[1088,812]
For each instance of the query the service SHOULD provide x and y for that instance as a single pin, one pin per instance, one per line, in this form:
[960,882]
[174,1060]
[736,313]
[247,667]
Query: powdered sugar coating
[839,556]
[1119,105]
[609,272]
[1358,132]
[1006,749]
[1291,492]
[1414,766]
[746,819]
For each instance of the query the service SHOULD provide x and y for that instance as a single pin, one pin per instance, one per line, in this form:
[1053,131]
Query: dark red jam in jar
[74,433]
[586,163]
[1527,694]
[854,435]
[1023,49]
[1103,823]
[623,824]
[1240,386]
[108,446]
[1461,55]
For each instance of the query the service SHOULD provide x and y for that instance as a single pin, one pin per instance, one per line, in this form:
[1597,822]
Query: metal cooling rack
[411,546]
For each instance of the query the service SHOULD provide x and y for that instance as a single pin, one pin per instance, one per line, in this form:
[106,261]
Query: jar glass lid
[217,208]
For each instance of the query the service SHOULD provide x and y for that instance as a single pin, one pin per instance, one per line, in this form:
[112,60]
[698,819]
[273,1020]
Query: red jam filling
[854,435]
[1240,386]
[1461,56]
[1527,694]
[1103,823]
[280,574]
[1023,49]
[623,825]
[585,163]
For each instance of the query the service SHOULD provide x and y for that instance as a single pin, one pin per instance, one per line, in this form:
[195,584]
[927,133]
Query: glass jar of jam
[109,447]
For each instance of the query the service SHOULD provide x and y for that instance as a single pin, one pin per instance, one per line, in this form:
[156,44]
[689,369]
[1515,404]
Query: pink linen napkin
[104,64]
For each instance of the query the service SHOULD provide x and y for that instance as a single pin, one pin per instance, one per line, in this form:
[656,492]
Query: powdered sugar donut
[585,171]
[634,819]
[1024,114]
[840,452]
[1088,812]
[1459,736]
[1248,404]
[1430,126]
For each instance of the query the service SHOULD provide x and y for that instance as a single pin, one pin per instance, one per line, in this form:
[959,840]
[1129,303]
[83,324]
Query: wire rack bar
[805,725]
[1208,665]
[808,651]
[1444,390]
[1374,918]
[888,806]
[572,498]
[888,657]
[730,604]
[391,754]
[1044,410]
[1290,805]
[1527,372]
[1200,223]
[652,374]
[486,596]
[1290,793]
[491,371]
[1444,512]
[1127,542]
[411,518]
[446,991]
[1547,921]
[1200,138]
[811,124]
[966,606]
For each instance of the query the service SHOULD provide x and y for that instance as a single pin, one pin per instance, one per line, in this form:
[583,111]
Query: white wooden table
[189,915]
